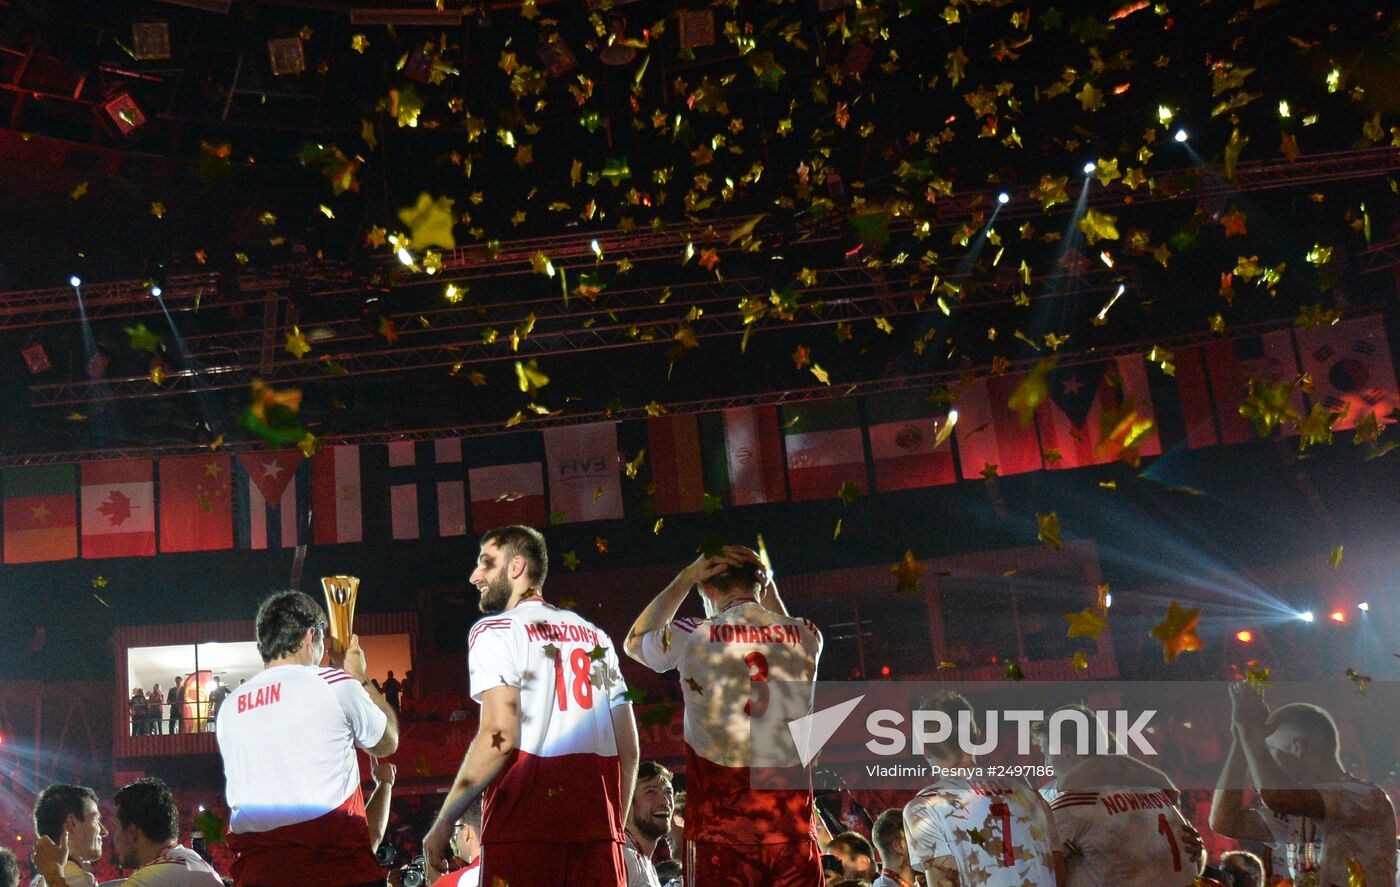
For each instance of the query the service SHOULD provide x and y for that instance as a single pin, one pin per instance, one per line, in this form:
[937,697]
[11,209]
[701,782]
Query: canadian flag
[119,516]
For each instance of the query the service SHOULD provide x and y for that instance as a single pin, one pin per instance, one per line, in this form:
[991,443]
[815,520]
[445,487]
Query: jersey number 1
[582,687]
[1003,812]
[1165,828]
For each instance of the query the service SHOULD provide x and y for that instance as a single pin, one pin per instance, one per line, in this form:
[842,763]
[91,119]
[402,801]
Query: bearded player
[735,834]
[555,754]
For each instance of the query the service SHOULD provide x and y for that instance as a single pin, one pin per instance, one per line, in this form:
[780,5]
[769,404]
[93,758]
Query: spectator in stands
[216,699]
[653,804]
[148,840]
[138,711]
[895,868]
[466,851]
[172,699]
[1247,868]
[856,855]
[391,691]
[70,832]
[155,699]
[9,869]
[288,740]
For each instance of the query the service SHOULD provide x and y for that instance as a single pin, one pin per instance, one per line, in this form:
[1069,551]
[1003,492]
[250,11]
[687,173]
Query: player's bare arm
[1278,790]
[497,737]
[1228,815]
[354,664]
[662,609]
[629,751]
[942,871]
[377,808]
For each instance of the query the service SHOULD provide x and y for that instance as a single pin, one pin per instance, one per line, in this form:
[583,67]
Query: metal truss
[848,295]
[778,397]
[573,251]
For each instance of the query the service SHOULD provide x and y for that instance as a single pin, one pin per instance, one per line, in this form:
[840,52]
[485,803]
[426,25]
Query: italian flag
[41,514]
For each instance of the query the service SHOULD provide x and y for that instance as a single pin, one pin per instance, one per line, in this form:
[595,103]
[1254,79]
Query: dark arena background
[1034,342]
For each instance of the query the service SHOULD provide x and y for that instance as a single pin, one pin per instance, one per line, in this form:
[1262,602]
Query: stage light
[1245,636]
[1364,607]
[156,291]
[75,281]
[1090,167]
[1003,198]
[405,257]
[1338,616]
[1181,136]
[1306,615]
[1107,601]
[885,670]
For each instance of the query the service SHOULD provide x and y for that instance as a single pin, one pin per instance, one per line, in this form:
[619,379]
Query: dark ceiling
[820,176]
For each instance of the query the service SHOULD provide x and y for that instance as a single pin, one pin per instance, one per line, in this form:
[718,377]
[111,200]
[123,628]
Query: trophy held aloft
[341,592]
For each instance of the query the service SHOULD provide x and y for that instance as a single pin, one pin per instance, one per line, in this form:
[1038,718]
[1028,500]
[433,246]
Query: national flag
[753,464]
[676,465]
[272,495]
[41,514]
[825,448]
[505,478]
[584,472]
[336,495]
[196,503]
[1351,370]
[903,426]
[1072,419]
[991,440]
[1228,367]
[119,508]
[427,489]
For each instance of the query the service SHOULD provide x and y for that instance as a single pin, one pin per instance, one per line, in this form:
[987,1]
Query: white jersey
[288,738]
[1359,825]
[1123,836]
[175,867]
[987,832]
[567,672]
[641,871]
[724,663]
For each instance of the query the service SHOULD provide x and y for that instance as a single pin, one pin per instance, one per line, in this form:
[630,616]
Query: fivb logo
[1117,731]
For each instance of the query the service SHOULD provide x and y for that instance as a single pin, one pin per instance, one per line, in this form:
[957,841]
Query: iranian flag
[41,520]
[119,514]
[752,469]
[825,448]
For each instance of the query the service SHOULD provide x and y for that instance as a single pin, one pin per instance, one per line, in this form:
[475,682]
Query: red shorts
[530,864]
[707,864]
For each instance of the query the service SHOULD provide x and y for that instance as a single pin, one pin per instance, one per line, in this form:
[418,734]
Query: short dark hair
[9,869]
[650,770]
[283,619]
[735,579]
[668,869]
[950,702]
[1068,734]
[889,827]
[853,843]
[55,804]
[526,542]
[833,864]
[1310,720]
[149,805]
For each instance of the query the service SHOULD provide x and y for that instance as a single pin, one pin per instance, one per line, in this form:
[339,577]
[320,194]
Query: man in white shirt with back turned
[288,738]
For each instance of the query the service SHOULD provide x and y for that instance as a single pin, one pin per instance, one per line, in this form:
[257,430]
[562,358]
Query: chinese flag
[196,512]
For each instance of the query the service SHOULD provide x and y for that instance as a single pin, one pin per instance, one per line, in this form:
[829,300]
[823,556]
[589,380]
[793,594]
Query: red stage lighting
[1244,636]
[1339,616]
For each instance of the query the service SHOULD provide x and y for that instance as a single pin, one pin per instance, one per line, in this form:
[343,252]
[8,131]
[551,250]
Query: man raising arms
[555,752]
[735,835]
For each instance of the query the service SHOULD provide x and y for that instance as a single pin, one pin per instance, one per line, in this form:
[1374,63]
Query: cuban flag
[272,490]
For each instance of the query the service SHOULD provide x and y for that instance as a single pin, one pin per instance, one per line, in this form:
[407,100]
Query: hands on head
[1248,711]
[706,568]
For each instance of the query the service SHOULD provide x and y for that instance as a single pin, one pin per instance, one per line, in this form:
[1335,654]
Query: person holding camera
[288,738]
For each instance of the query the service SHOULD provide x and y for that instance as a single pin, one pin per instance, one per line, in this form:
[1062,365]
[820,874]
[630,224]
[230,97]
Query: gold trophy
[340,606]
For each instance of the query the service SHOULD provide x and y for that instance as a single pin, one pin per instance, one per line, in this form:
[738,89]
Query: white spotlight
[1306,616]
[156,291]
[75,281]
[1364,607]
[1003,198]
[1181,135]
[1090,167]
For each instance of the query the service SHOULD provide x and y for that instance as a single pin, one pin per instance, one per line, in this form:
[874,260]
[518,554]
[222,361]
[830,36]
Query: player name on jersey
[262,696]
[1125,801]
[560,631]
[755,634]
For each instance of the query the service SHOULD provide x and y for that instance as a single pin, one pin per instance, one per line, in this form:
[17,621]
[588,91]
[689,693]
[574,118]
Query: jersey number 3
[758,680]
[581,687]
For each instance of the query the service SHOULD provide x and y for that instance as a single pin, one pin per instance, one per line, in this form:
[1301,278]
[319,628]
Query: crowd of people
[157,712]
[552,791]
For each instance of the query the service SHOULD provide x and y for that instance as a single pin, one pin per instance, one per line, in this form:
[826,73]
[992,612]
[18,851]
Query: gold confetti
[1177,631]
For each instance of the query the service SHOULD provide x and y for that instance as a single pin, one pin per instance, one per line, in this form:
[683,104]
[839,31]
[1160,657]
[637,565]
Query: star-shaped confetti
[1048,529]
[909,574]
[1177,631]
[695,686]
[1087,623]
[430,222]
